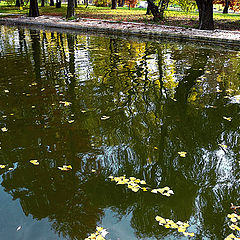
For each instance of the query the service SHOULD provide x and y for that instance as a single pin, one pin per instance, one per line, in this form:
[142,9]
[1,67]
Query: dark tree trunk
[148,11]
[86,3]
[205,8]
[22,2]
[163,4]
[17,3]
[225,10]
[33,10]
[42,3]
[51,3]
[154,10]
[120,3]
[114,4]
[76,3]
[58,4]
[70,9]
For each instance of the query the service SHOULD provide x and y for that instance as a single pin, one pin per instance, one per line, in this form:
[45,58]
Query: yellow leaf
[233,219]
[34,162]
[144,189]
[181,229]
[222,145]
[93,170]
[105,117]
[182,154]
[143,182]
[99,229]
[99,237]
[2,166]
[188,234]
[70,121]
[167,226]
[155,148]
[228,118]
[154,191]
[135,189]
[4,129]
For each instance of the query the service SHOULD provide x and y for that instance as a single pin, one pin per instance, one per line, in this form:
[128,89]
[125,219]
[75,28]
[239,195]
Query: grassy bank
[229,21]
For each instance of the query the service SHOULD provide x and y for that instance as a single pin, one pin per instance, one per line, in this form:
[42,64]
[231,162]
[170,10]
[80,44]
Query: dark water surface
[159,98]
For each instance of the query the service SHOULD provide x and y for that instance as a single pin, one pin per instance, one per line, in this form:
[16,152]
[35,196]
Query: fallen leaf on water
[2,166]
[93,170]
[105,117]
[228,118]
[6,91]
[65,167]
[4,129]
[65,103]
[182,154]
[222,145]
[155,148]
[70,121]
[34,162]
[18,228]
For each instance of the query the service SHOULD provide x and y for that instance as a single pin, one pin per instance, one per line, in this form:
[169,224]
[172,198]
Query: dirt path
[129,28]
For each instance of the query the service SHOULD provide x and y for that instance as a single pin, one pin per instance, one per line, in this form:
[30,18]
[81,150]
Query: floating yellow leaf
[181,229]
[144,189]
[34,162]
[155,148]
[228,118]
[182,154]
[143,182]
[65,103]
[65,167]
[99,229]
[6,91]
[99,237]
[93,170]
[188,234]
[105,117]
[70,121]
[154,191]
[4,129]
[222,145]
[2,166]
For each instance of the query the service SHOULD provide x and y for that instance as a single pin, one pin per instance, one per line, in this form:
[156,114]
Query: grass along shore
[230,21]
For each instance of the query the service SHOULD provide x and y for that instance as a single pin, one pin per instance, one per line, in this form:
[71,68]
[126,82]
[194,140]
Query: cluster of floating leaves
[98,235]
[180,226]
[135,185]
[234,218]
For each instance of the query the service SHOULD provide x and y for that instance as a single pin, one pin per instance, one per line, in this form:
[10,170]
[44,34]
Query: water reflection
[161,98]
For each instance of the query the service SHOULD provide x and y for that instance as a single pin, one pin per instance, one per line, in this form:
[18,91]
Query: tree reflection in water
[162,98]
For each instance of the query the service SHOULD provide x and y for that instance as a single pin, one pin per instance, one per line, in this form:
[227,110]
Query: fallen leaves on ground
[65,168]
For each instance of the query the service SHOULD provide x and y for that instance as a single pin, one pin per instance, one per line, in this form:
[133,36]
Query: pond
[86,107]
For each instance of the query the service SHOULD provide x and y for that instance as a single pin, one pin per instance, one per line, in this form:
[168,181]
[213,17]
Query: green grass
[173,17]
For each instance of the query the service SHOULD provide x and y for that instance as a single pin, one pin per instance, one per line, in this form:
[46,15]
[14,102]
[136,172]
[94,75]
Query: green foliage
[102,3]
[186,5]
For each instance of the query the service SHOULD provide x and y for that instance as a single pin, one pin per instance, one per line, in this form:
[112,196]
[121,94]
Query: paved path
[129,28]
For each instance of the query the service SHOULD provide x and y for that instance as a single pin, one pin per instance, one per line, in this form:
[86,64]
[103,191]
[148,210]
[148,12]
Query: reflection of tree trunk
[51,3]
[76,3]
[205,9]
[22,41]
[42,3]
[86,3]
[36,52]
[225,10]
[184,87]
[148,11]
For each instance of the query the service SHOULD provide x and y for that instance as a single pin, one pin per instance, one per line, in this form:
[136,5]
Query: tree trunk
[163,4]
[58,4]
[114,4]
[148,11]
[205,8]
[70,9]
[33,10]
[225,10]
[154,10]
[42,3]
[76,3]
[17,3]
[51,3]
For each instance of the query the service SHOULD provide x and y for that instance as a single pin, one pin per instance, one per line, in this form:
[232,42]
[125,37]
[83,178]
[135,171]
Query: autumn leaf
[4,129]
[182,154]
[34,162]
